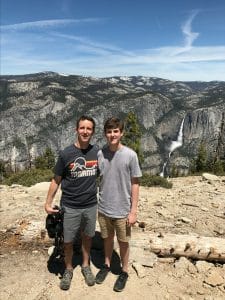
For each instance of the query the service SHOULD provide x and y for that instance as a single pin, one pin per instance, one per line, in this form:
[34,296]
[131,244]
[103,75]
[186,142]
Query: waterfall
[174,145]
[14,155]
[32,153]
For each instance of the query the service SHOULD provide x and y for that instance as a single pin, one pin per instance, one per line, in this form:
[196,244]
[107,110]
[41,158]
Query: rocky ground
[194,206]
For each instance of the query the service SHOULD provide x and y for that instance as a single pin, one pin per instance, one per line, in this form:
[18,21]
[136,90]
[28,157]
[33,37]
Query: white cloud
[166,55]
[90,46]
[187,31]
[46,23]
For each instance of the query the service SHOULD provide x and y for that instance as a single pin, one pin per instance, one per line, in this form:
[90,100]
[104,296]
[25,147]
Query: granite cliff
[40,110]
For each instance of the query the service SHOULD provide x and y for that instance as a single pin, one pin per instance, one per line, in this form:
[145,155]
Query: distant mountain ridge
[40,110]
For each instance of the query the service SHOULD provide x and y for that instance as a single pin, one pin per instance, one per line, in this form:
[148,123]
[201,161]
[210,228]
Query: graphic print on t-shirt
[82,167]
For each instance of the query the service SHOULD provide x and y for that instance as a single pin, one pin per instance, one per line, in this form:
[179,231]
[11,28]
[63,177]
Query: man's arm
[54,185]
[132,217]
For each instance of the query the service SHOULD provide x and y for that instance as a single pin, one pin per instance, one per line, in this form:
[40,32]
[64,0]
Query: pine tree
[201,160]
[132,135]
[2,170]
[46,160]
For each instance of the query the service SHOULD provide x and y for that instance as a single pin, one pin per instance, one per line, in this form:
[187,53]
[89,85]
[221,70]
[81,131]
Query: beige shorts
[110,225]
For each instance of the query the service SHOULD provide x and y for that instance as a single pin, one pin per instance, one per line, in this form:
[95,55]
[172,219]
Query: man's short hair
[83,118]
[113,123]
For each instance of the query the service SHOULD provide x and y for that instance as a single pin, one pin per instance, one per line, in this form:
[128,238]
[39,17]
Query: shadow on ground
[56,265]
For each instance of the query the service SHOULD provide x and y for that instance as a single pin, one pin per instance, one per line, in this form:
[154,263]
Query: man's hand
[131,219]
[49,209]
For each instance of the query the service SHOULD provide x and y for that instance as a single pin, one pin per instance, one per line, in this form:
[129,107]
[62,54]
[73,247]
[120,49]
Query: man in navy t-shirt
[76,171]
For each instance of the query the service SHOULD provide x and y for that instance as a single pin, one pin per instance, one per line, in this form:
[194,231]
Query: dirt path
[192,206]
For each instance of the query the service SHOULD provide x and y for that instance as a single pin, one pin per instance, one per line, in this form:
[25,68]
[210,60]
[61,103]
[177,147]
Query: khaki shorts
[110,225]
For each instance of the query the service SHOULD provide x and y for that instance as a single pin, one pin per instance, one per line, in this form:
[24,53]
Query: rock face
[40,110]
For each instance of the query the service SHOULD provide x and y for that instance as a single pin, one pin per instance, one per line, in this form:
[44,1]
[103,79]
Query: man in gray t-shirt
[118,197]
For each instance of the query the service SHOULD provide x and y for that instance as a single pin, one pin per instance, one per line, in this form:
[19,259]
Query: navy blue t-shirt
[78,169]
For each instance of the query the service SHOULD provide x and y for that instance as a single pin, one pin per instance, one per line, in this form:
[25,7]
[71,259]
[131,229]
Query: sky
[171,39]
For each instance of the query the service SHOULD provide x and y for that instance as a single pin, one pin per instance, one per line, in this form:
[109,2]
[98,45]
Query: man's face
[85,131]
[113,136]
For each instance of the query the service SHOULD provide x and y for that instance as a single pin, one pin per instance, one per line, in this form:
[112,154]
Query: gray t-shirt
[116,170]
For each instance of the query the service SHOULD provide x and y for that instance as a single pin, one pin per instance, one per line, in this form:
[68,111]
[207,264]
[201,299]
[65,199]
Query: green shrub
[28,177]
[153,180]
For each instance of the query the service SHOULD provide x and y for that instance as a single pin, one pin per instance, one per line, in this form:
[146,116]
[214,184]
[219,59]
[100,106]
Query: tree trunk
[196,247]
